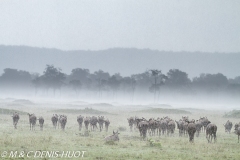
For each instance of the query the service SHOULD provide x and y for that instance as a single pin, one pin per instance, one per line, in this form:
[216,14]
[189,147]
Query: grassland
[130,146]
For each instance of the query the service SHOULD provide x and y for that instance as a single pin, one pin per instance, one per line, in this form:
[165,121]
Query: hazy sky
[189,25]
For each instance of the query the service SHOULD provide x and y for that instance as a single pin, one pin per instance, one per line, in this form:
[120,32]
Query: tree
[114,84]
[76,85]
[177,79]
[53,78]
[159,79]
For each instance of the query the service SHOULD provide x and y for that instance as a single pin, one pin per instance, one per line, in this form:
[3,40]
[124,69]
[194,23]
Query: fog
[128,54]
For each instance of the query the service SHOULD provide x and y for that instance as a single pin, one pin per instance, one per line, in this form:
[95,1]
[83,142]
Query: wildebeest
[142,126]
[54,120]
[152,125]
[41,122]
[100,122]
[228,126]
[237,130]
[191,131]
[211,131]
[180,127]
[113,137]
[130,122]
[198,127]
[15,117]
[32,121]
[205,122]
[93,123]
[107,122]
[80,121]
[170,127]
[63,121]
[86,122]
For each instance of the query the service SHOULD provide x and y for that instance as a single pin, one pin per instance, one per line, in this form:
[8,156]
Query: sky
[176,25]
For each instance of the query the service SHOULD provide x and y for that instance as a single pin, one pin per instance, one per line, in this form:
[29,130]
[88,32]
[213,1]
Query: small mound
[80,111]
[23,101]
[165,111]
[11,111]
[232,114]
[160,105]
[101,105]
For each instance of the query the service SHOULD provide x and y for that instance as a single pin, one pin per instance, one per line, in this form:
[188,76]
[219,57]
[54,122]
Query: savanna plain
[130,145]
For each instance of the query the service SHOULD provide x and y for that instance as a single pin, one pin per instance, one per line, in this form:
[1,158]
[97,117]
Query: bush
[152,143]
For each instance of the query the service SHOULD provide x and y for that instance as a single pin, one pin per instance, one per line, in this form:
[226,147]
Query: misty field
[130,146]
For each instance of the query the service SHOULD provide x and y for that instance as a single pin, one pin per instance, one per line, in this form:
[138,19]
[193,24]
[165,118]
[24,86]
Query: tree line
[151,81]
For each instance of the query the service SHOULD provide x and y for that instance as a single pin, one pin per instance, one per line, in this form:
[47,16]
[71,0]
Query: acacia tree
[159,79]
[76,85]
[53,78]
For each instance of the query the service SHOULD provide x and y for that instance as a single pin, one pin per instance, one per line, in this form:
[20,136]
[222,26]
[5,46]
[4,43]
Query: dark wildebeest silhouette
[93,123]
[180,127]
[163,126]
[191,131]
[142,126]
[152,125]
[80,121]
[170,127]
[237,130]
[15,117]
[107,122]
[32,121]
[198,127]
[41,122]
[130,122]
[113,137]
[211,131]
[86,122]
[228,126]
[54,120]
[205,122]
[63,121]
[100,122]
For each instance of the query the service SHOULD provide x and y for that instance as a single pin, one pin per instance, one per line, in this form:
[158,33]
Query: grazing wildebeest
[80,121]
[15,117]
[54,120]
[170,127]
[86,122]
[142,126]
[211,131]
[107,122]
[198,127]
[100,122]
[113,137]
[63,121]
[191,131]
[237,130]
[41,122]
[93,122]
[32,121]
[228,126]
[130,122]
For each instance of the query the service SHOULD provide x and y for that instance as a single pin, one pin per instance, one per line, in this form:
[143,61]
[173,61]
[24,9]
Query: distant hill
[126,61]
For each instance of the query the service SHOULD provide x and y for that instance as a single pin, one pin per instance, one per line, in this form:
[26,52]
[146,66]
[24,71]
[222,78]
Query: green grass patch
[165,111]
[81,111]
[11,111]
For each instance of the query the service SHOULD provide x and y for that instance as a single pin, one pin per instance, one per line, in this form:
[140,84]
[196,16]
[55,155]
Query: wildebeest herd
[158,126]
[186,127]
[62,121]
